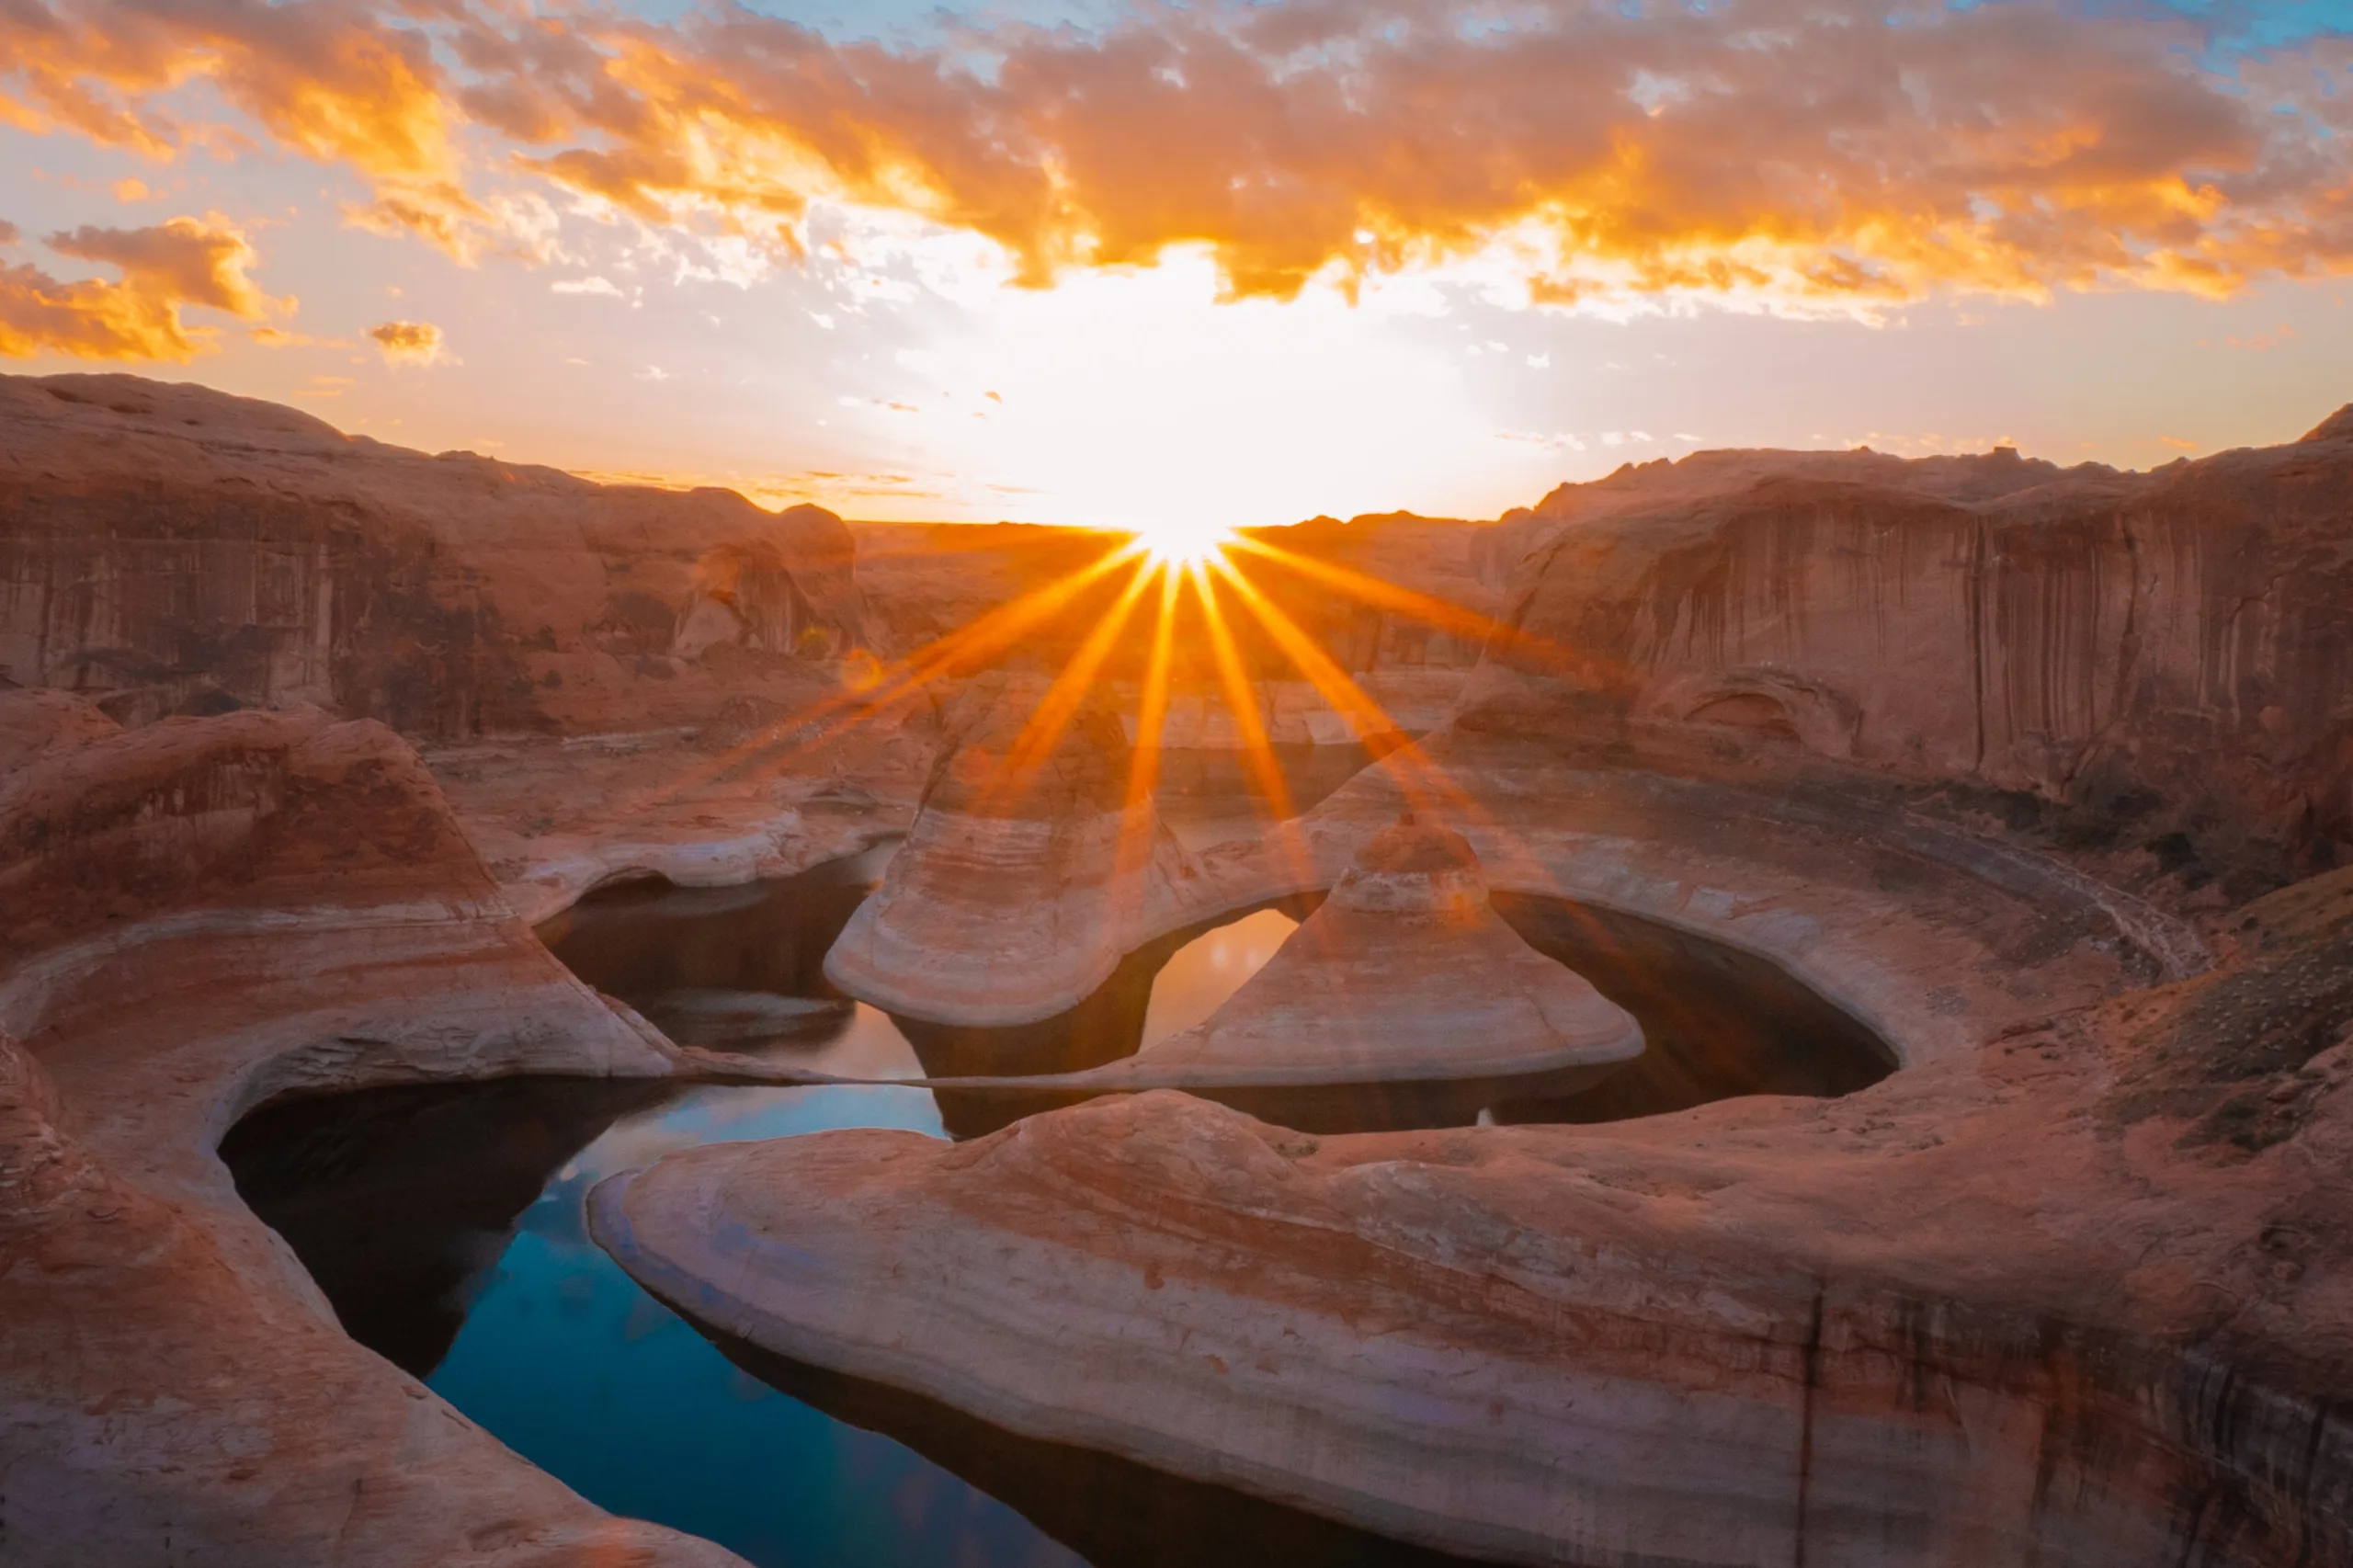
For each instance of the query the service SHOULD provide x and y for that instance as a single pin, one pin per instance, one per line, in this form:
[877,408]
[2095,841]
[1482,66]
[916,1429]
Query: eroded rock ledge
[195,918]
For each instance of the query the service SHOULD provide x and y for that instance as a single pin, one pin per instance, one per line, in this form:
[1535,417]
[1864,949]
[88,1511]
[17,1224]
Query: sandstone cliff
[165,549]
[2166,660]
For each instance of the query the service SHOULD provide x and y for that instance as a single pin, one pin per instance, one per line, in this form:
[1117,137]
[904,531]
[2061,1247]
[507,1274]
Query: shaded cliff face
[165,549]
[2169,656]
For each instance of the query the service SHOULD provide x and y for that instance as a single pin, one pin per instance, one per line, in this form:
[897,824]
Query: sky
[1088,261]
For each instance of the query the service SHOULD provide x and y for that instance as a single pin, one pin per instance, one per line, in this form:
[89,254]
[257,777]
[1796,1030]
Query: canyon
[2039,780]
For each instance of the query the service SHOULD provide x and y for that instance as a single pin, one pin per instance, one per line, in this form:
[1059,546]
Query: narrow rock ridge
[1991,1311]
[1403,975]
[2055,1292]
[196,917]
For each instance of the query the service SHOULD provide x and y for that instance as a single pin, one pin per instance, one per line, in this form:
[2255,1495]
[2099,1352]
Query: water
[446,1224]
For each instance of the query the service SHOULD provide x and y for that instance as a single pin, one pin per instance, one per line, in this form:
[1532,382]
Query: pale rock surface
[195,918]
[1403,975]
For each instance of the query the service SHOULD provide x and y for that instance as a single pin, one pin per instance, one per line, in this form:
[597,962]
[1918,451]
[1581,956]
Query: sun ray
[954,653]
[1240,697]
[1052,715]
[1137,815]
[1353,702]
[1430,610]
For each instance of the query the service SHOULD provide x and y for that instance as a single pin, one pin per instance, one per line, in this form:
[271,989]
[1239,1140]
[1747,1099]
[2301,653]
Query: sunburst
[1205,561]
[1181,544]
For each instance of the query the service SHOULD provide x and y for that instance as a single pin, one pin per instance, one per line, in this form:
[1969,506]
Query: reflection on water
[1202,973]
[446,1224]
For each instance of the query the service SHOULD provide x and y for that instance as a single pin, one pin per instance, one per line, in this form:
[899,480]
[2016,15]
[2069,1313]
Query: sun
[1183,542]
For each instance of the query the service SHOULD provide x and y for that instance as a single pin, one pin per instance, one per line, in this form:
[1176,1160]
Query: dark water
[446,1225]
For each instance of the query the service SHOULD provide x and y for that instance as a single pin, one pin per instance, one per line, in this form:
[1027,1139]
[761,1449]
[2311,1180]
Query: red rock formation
[1024,880]
[2160,654]
[166,549]
[2078,1296]
[196,916]
[1406,974]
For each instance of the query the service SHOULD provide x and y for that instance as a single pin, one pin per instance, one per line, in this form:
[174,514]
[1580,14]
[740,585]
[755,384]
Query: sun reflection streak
[1137,810]
[1431,611]
[1198,558]
[956,653]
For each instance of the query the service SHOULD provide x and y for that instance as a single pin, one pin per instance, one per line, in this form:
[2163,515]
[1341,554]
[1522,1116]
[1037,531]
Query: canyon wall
[166,549]
[2168,657]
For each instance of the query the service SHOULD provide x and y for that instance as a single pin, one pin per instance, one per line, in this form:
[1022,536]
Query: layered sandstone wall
[2169,654]
[165,549]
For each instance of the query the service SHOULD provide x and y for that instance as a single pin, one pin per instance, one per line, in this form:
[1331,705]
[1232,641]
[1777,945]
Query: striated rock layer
[1404,972]
[165,549]
[2071,1285]
[1026,877]
[196,917]
[2154,662]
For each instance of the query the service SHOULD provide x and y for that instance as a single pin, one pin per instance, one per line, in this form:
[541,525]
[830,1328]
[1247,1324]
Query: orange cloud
[1791,153]
[328,79]
[182,260]
[408,341]
[164,268]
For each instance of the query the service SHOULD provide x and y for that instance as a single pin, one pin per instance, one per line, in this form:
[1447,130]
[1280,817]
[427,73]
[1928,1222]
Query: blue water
[560,1351]
[709,1448]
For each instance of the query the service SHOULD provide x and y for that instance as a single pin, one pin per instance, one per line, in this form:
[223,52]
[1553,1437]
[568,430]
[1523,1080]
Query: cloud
[1793,154]
[164,268]
[592,285]
[408,341]
[182,260]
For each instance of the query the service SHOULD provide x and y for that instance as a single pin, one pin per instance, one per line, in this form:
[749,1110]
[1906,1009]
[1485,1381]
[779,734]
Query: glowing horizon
[1106,265]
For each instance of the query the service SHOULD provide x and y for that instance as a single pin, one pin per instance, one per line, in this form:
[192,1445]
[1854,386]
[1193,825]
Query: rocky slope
[196,917]
[166,549]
